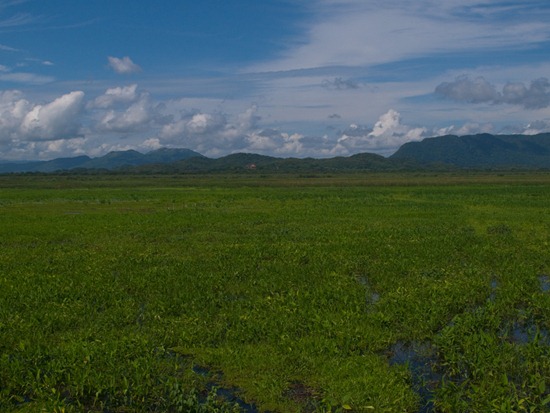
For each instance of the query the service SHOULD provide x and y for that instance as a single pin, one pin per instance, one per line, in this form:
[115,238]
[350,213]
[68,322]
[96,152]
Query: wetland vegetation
[381,292]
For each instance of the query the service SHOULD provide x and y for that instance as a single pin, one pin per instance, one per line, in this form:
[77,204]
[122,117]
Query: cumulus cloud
[68,126]
[192,126]
[123,65]
[385,137]
[468,128]
[479,90]
[536,96]
[212,133]
[57,119]
[112,96]
[151,144]
[464,89]
[274,142]
[13,109]
[31,131]
[135,117]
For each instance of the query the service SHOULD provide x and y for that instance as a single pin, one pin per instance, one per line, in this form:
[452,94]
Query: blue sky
[289,78]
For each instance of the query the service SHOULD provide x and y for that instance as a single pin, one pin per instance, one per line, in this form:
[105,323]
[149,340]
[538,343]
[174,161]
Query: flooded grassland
[281,295]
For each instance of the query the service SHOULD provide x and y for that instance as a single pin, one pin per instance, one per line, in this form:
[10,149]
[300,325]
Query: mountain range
[111,161]
[480,151]
[483,151]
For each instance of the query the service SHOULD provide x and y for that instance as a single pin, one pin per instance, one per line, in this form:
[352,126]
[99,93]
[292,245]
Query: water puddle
[200,370]
[544,281]
[494,286]
[519,334]
[372,297]
[228,394]
[524,333]
[420,360]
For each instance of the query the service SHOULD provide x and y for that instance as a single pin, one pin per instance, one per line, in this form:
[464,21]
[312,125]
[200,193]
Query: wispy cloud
[360,33]
[28,78]
[17,20]
[339,83]
[8,48]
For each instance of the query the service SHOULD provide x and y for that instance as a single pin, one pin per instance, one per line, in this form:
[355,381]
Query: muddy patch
[303,395]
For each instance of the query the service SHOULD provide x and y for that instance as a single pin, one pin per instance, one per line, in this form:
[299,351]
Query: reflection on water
[372,297]
[225,393]
[420,360]
[544,281]
[494,286]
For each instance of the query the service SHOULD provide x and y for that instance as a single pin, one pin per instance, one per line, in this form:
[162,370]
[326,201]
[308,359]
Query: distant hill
[187,161]
[110,161]
[480,151]
[243,162]
[483,151]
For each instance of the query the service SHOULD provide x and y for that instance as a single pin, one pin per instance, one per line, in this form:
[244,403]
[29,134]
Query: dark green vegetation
[384,293]
[482,152]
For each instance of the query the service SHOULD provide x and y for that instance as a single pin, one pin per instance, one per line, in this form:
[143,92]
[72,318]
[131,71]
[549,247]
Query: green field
[380,293]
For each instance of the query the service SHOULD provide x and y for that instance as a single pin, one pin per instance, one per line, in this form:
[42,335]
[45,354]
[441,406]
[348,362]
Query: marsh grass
[219,294]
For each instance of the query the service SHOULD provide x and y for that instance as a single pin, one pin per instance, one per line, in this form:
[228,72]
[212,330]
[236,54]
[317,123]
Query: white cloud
[54,120]
[116,95]
[30,131]
[8,48]
[13,109]
[30,78]
[123,66]
[203,122]
[536,127]
[474,128]
[273,142]
[386,136]
[151,144]
[60,147]
[135,118]
[366,33]
[387,124]
[210,133]
[20,19]
[468,128]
